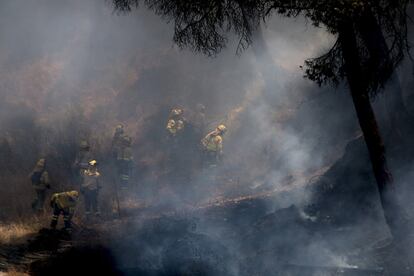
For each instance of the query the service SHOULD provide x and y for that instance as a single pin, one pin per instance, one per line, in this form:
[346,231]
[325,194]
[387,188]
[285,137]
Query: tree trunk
[369,126]
[377,46]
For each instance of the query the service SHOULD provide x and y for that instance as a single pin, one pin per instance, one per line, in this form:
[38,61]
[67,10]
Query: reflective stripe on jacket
[125,153]
[64,201]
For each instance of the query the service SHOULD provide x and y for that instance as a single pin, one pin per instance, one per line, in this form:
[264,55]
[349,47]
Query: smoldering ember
[159,137]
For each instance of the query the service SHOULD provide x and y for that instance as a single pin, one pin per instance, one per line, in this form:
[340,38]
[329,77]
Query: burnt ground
[205,243]
[339,231]
[55,252]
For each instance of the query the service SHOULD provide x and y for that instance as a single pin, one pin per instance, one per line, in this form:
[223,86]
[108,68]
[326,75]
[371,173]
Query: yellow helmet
[119,128]
[73,194]
[222,128]
[177,112]
[40,164]
[93,163]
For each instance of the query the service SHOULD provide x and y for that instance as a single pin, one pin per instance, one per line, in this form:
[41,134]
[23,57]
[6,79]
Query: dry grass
[13,272]
[13,232]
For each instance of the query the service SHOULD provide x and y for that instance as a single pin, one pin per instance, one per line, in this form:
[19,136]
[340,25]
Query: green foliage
[328,68]
[203,25]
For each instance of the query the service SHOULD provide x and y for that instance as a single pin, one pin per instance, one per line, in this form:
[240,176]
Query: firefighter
[63,203]
[40,181]
[200,119]
[175,129]
[81,162]
[90,188]
[176,122]
[117,140]
[212,145]
[124,160]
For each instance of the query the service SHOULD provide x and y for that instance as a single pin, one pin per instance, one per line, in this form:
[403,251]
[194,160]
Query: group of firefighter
[87,176]
[211,144]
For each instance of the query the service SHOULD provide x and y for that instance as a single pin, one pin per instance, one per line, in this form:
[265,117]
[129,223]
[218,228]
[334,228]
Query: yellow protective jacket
[65,201]
[174,126]
[90,180]
[116,143]
[213,142]
[125,150]
[40,179]
[125,154]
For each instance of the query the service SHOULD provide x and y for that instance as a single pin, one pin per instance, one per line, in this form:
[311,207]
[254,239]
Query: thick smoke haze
[80,61]
[72,70]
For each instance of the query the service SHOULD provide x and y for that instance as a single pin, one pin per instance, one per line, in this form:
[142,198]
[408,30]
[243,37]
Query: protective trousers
[123,172]
[39,201]
[91,201]
[67,217]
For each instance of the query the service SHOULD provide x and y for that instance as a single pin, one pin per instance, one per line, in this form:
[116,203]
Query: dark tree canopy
[371,42]
[204,25]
